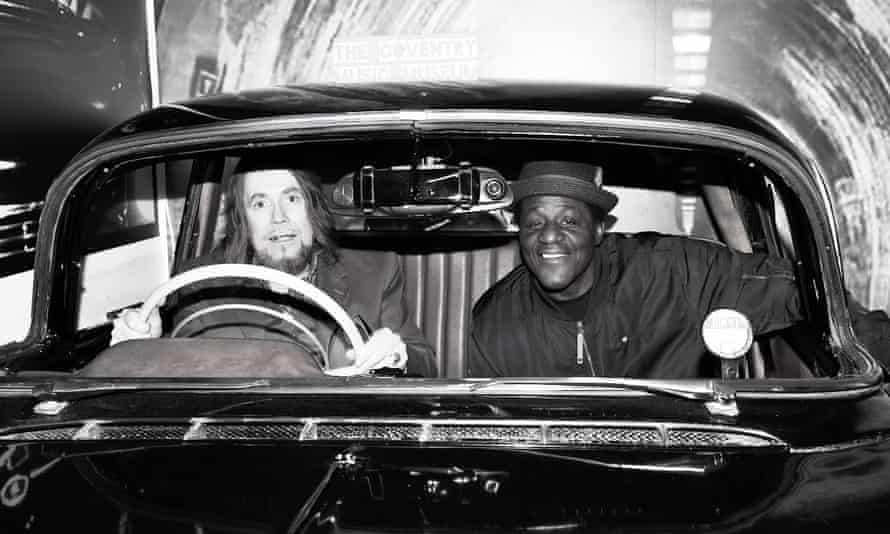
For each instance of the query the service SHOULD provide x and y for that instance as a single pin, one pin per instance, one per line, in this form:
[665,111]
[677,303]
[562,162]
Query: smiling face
[280,231]
[557,237]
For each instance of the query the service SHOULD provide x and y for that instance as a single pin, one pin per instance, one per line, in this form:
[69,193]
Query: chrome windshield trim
[810,187]
[693,390]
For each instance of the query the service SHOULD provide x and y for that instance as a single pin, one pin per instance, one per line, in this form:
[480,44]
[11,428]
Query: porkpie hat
[571,179]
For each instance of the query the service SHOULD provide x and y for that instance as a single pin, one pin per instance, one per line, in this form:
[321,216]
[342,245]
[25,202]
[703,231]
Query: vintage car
[787,431]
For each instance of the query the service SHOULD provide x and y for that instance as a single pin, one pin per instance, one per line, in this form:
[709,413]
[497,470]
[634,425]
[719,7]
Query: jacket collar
[332,278]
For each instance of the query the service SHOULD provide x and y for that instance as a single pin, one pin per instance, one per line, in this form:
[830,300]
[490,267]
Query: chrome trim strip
[196,431]
[18,238]
[25,250]
[840,394]
[8,210]
[310,430]
[151,37]
[524,432]
[692,389]
[87,431]
[20,226]
[659,468]
[838,447]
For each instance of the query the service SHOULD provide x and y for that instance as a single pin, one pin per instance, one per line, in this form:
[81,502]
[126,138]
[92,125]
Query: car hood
[214,461]
[276,486]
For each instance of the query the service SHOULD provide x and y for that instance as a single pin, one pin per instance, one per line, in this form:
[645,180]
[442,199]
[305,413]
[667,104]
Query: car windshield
[438,242]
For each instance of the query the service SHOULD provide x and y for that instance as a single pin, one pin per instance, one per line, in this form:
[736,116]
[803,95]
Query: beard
[295,265]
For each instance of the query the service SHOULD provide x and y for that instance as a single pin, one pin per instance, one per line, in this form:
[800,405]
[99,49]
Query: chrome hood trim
[455,432]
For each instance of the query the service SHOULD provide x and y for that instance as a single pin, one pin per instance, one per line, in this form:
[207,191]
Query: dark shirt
[574,309]
[644,312]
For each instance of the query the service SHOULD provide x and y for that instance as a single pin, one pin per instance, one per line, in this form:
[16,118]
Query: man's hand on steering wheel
[384,349]
[129,325]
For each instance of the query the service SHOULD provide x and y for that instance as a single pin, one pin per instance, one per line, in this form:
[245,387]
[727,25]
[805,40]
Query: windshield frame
[798,172]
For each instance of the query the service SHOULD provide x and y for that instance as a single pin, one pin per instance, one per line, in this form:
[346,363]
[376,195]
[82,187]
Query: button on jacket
[644,312]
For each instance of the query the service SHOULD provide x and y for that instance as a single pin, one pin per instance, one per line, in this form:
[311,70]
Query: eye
[533,223]
[569,220]
[293,198]
[258,204]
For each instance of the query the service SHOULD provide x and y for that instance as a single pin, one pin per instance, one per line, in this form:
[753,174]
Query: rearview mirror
[423,189]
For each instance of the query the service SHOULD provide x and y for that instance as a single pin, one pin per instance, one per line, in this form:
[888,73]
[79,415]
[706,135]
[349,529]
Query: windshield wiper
[73,389]
[698,390]
[718,397]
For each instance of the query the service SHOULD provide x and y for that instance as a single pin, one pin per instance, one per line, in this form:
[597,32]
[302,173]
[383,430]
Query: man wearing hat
[587,303]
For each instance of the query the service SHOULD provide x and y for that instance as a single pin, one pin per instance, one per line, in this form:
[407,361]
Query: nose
[279,214]
[550,233]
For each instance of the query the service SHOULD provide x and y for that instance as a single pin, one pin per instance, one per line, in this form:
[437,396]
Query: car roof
[663,102]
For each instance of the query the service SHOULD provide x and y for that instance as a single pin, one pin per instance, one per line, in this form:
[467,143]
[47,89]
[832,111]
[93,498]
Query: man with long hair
[278,217]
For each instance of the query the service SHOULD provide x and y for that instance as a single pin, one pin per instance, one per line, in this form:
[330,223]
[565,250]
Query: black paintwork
[316,99]
[65,79]
[280,486]
[800,423]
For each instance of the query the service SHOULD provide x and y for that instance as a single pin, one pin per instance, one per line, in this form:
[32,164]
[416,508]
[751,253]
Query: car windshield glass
[448,256]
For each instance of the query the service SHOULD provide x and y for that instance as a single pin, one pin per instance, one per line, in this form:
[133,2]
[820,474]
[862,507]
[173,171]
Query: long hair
[236,246]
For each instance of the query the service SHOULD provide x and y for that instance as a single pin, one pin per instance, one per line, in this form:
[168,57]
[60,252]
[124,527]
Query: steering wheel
[232,270]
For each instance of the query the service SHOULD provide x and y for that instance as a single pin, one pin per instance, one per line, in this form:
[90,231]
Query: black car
[791,437]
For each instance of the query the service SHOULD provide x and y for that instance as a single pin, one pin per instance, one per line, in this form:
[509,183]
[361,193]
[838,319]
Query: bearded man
[278,217]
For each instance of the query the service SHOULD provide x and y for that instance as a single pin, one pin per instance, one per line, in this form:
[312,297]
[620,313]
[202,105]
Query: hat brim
[564,186]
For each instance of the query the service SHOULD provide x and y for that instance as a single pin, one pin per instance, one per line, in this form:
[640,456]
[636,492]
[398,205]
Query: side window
[661,210]
[134,219]
[124,210]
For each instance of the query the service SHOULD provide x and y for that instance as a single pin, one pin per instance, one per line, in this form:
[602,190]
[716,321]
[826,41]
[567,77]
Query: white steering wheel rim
[237,270]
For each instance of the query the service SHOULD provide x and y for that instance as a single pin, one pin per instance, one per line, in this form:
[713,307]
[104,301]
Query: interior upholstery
[441,287]
[441,290]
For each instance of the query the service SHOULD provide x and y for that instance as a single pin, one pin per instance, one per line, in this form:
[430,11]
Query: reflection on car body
[264,452]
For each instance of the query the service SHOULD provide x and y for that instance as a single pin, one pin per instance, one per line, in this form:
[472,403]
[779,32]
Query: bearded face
[278,220]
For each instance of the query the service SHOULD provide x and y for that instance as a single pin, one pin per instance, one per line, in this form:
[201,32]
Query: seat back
[441,289]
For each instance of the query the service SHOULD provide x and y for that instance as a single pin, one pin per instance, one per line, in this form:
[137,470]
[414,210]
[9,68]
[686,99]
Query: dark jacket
[370,286]
[643,315]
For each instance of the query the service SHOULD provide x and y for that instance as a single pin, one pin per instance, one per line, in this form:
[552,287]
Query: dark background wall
[819,68]
[68,70]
